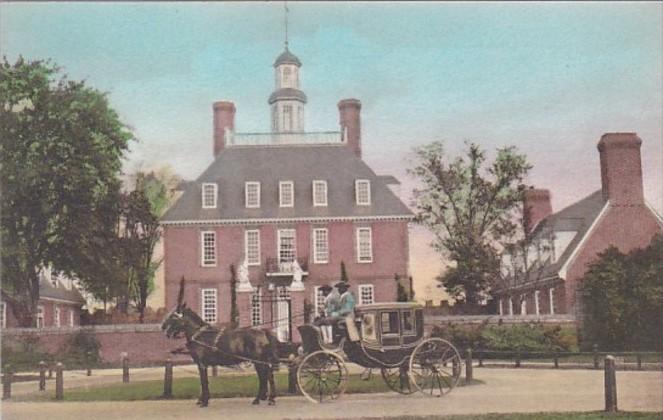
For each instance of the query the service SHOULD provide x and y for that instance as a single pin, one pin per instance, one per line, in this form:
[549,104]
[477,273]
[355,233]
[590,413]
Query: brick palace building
[616,215]
[285,208]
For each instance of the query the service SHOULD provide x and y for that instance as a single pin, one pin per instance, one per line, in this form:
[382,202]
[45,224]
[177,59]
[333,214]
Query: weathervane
[285,6]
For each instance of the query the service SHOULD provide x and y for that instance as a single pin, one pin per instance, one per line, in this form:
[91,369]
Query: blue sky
[549,78]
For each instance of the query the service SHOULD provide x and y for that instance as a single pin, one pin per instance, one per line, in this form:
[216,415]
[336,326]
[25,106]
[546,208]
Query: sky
[548,78]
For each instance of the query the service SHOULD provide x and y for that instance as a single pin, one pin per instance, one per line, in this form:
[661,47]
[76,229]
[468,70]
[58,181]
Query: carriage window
[368,327]
[407,322]
[390,322]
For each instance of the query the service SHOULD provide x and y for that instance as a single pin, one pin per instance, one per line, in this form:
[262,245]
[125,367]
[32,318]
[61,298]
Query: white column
[510,306]
[551,298]
[536,302]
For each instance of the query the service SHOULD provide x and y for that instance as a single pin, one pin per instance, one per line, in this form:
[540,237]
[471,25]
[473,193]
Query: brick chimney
[350,120]
[621,168]
[224,118]
[536,204]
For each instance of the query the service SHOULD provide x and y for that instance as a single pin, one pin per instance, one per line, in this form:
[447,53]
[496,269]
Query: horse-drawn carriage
[391,338]
[385,336]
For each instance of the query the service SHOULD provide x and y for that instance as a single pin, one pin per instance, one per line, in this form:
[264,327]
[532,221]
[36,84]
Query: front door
[283,315]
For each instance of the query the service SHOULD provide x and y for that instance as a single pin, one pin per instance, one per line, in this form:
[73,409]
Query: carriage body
[391,338]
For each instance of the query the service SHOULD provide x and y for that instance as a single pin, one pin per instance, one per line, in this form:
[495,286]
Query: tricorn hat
[326,288]
[341,285]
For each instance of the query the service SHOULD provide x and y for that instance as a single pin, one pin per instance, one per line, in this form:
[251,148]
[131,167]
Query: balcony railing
[266,139]
[276,268]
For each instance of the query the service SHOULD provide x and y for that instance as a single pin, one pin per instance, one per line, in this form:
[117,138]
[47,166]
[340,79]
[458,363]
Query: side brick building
[615,215]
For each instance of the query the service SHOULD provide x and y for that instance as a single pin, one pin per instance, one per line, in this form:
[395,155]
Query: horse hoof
[256,402]
[203,405]
[271,402]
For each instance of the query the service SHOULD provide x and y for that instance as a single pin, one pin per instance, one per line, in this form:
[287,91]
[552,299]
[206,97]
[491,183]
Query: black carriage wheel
[435,367]
[322,376]
[398,380]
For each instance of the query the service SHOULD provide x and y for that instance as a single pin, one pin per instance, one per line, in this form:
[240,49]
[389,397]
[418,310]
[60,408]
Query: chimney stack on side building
[224,121]
[349,117]
[536,204]
[621,168]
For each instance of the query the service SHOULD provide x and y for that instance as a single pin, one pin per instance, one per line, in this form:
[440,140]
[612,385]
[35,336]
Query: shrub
[81,350]
[533,337]
[623,299]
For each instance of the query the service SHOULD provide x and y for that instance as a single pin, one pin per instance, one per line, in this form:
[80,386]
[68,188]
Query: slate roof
[287,93]
[576,217]
[47,290]
[287,57]
[336,164]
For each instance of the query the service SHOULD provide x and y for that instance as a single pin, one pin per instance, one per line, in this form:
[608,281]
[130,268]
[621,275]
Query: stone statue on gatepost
[297,276]
[244,285]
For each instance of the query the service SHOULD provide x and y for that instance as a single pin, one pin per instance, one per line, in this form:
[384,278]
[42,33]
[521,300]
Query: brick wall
[145,344]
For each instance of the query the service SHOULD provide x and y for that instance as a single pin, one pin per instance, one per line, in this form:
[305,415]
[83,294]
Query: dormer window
[320,193]
[363,192]
[286,194]
[252,195]
[209,195]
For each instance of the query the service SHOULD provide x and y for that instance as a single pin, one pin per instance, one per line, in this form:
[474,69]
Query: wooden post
[42,376]
[639,357]
[215,371]
[480,355]
[88,362]
[610,383]
[517,359]
[595,349]
[7,378]
[556,360]
[168,380]
[125,367]
[292,378]
[468,366]
[50,370]
[59,382]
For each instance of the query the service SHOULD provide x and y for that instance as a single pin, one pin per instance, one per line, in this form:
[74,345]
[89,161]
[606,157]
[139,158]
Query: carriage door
[283,315]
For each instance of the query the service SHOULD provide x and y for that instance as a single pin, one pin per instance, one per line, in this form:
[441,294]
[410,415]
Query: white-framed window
[523,304]
[40,316]
[366,294]
[72,317]
[551,300]
[256,307]
[208,248]
[287,245]
[363,192]
[286,194]
[320,246]
[364,245]
[252,246]
[320,193]
[3,314]
[287,117]
[252,194]
[318,301]
[500,304]
[208,305]
[536,302]
[56,316]
[209,195]
[510,306]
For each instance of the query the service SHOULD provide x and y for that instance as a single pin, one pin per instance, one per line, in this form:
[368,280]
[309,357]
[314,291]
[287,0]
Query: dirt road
[504,391]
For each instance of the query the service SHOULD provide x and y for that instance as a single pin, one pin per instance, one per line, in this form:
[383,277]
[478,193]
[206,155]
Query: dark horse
[210,346]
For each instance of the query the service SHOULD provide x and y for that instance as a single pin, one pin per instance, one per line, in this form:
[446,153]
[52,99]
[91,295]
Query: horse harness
[217,349]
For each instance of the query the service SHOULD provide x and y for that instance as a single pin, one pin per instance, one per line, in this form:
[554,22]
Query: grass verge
[189,388]
[533,416]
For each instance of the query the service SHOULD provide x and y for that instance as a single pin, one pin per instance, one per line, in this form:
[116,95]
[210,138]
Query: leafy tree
[466,203]
[60,155]
[622,296]
[344,273]
[234,311]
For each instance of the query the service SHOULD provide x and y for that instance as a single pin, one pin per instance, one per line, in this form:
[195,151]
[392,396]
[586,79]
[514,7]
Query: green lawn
[188,388]
[539,416]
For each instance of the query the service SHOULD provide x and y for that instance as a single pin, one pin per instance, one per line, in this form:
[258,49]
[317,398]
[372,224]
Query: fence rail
[266,139]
